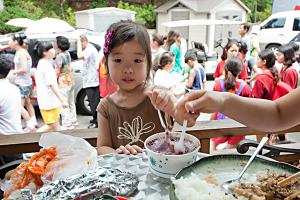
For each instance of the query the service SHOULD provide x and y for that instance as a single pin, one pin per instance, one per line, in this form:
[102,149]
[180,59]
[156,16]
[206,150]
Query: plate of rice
[201,180]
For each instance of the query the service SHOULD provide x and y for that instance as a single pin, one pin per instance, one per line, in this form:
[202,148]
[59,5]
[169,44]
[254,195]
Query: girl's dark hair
[159,39]
[62,43]
[269,57]
[164,59]
[38,51]
[228,46]
[171,38]
[125,31]
[19,37]
[295,46]
[288,53]
[233,67]
[243,47]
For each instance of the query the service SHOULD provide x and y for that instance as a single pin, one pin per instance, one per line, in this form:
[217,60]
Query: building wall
[84,20]
[230,9]
[198,33]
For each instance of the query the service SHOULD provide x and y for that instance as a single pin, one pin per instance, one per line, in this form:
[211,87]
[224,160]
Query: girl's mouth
[127,80]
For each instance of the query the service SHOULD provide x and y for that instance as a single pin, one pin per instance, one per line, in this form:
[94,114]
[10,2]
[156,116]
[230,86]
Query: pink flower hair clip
[108,38]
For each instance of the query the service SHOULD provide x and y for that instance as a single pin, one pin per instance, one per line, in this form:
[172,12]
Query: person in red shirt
[233,68]
[288,73]
[231,49]
[264,84]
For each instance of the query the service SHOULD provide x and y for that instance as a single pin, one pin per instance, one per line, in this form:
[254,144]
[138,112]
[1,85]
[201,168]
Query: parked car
[97,39]
[279,29]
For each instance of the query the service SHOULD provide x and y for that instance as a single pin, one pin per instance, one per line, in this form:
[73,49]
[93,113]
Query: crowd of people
[135,64]
[49,65]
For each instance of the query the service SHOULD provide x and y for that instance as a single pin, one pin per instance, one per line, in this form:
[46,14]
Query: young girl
[157,47]
[64,73]
[23,80]
[48,95]
[230,83]
[264,84]
[231,49]
[288,74]
[175,48]
[127,117]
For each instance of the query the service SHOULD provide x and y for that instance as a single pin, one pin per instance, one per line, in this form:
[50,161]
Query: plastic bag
[61,157]
[74,156]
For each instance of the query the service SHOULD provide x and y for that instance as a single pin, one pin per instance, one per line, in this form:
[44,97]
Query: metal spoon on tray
[226,185]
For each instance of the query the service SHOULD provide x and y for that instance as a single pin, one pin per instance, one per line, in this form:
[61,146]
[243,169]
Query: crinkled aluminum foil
[95,183]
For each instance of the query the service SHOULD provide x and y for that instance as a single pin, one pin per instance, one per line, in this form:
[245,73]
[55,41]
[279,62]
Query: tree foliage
[145,14]
[260,9]
[99,4]
[34,9]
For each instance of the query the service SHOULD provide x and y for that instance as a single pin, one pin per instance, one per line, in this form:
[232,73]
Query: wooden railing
[203,130]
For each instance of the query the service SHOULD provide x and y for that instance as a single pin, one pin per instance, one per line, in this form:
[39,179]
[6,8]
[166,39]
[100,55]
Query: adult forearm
[258,114]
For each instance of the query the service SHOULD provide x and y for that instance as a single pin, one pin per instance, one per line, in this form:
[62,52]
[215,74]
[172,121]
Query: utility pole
[255,10]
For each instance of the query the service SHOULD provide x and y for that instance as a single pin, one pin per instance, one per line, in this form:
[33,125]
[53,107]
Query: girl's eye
[138,61]
[117,60]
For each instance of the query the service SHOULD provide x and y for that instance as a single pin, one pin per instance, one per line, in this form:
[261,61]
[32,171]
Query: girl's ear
[265,62]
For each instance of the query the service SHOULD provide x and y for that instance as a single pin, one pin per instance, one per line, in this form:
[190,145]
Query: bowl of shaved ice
[164,161]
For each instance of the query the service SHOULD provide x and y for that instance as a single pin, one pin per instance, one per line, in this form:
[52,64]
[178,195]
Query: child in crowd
[157,47]
[286,57]
[233,67]
[196,76]
[64,73]
[231,49]
[164,78]
[175,48]
[264,84]
[23,80]
[127,117]
[49,98]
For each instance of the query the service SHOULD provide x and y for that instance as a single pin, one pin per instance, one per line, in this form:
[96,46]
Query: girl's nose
[128,69]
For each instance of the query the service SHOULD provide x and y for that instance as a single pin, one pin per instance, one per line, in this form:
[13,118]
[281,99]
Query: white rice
[194,188]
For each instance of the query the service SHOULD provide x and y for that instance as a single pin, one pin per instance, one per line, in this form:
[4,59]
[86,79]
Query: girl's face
[280,57]
[12,43]
[260,63]
[154,45]
[232,51]
[168,67]
[127,65]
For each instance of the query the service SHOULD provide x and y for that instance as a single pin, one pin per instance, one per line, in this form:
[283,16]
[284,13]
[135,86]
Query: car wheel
[82,104]
[273,47]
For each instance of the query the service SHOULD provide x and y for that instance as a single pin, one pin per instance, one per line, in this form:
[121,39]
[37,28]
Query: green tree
[260,9]
[34,9]
[99,4]
[144,14]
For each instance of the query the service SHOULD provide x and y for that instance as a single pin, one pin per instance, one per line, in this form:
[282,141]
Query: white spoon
[179,146]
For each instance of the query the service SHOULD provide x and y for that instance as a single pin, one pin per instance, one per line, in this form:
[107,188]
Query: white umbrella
[49,25]
[20,22]
[198,22]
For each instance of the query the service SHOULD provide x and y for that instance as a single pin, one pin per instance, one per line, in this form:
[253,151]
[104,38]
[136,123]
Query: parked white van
[279,29]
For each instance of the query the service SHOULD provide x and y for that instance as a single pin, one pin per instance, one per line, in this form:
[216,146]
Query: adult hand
[196,102]
[129,149]
[162,100]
